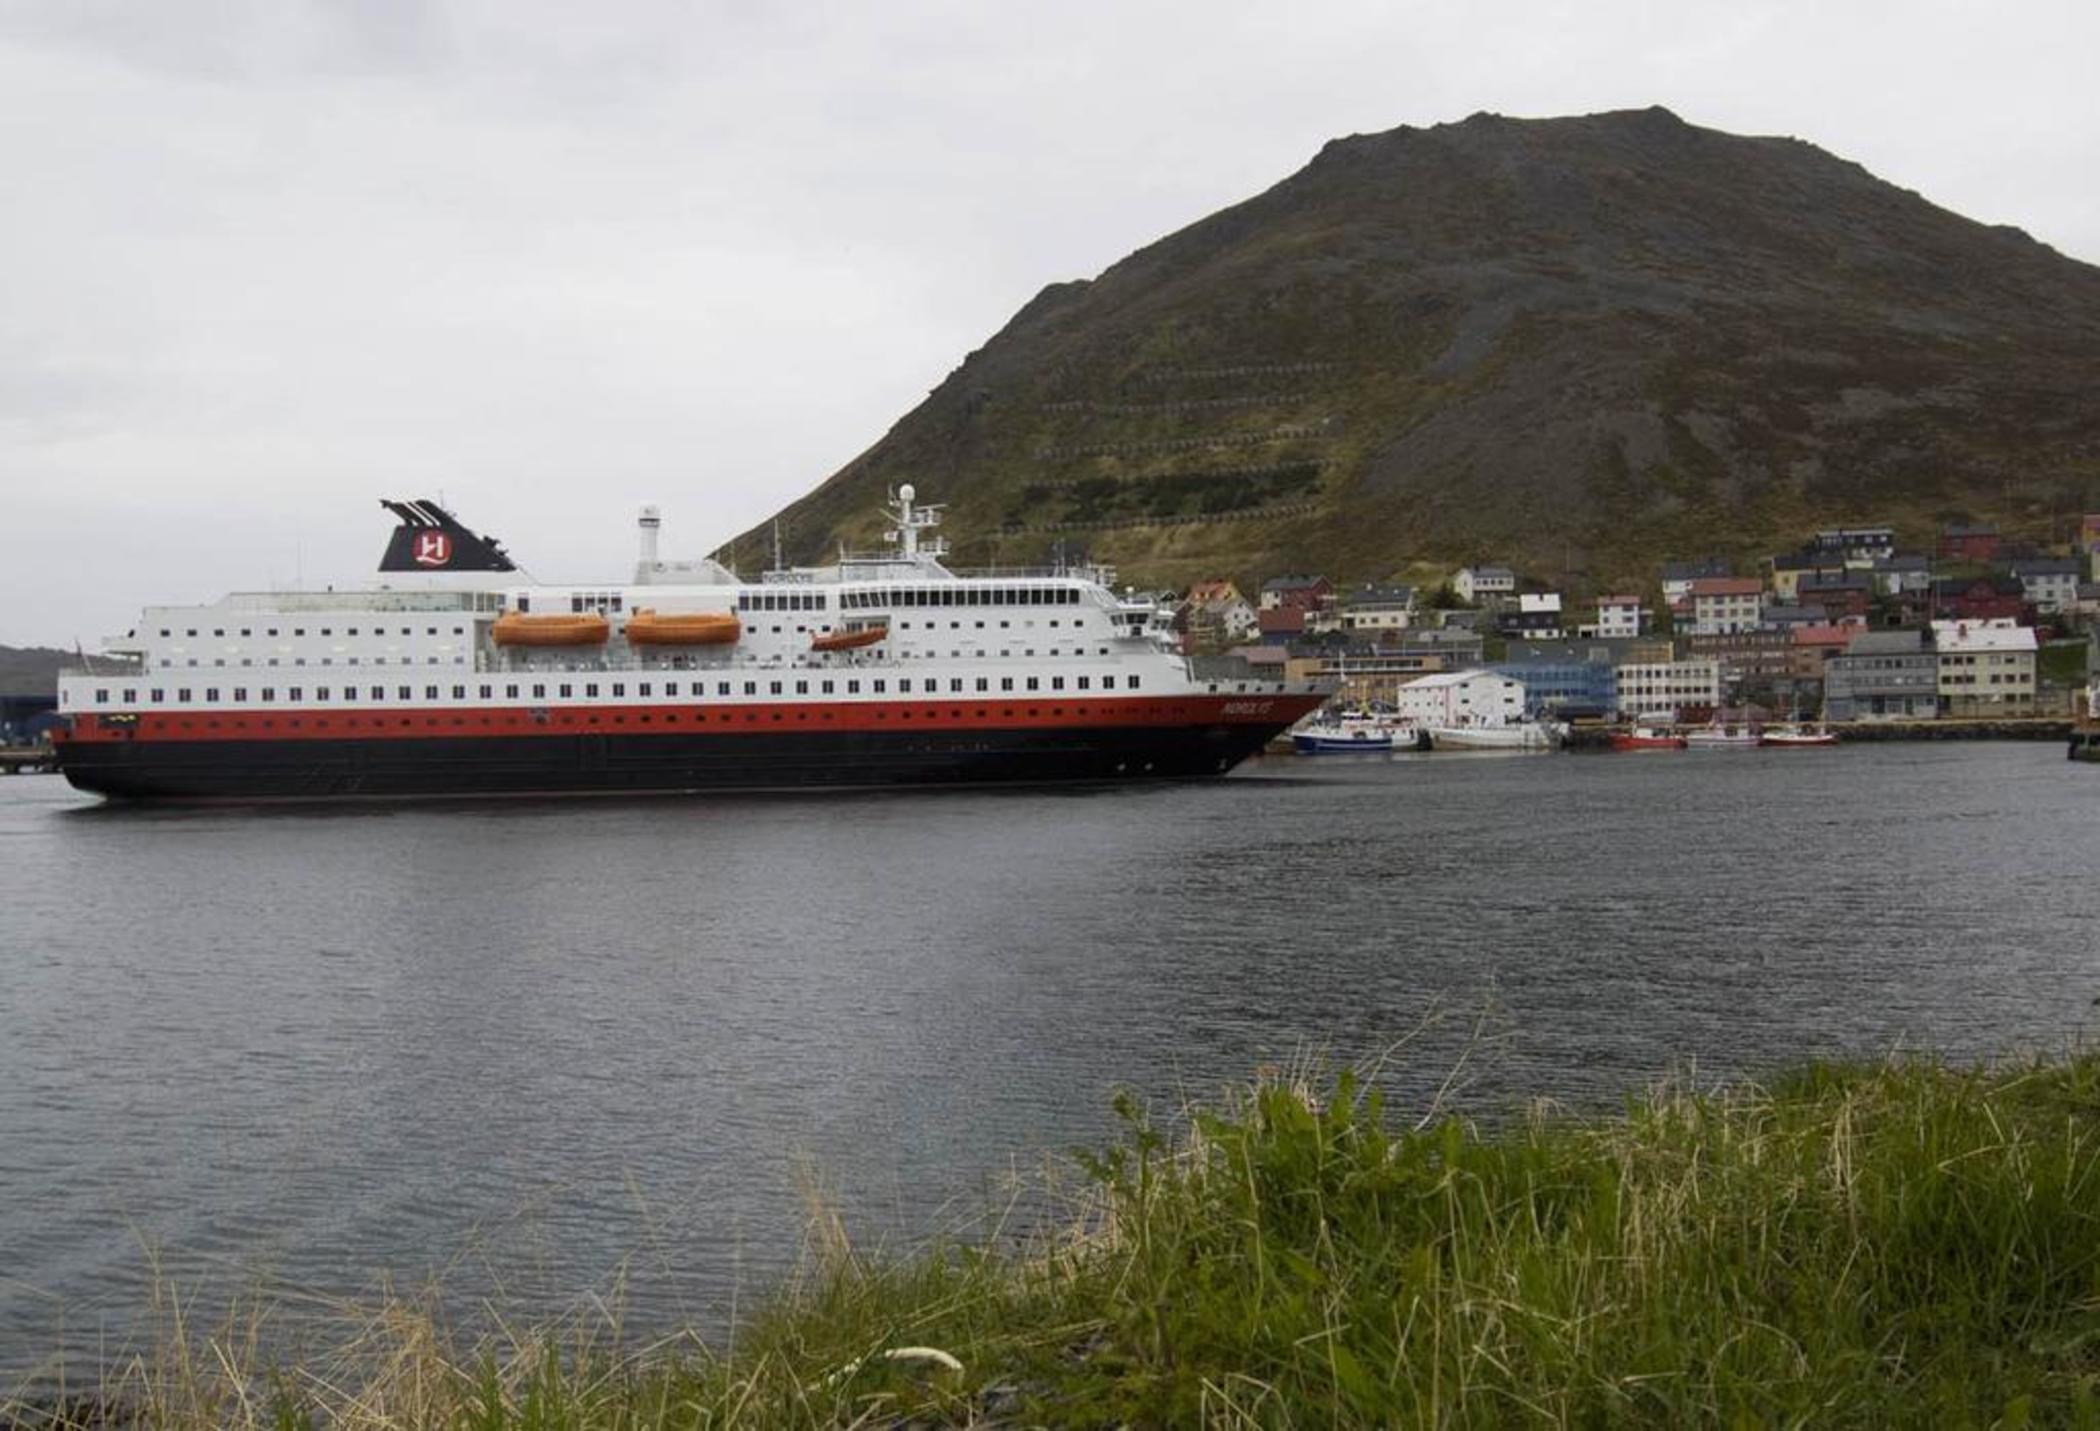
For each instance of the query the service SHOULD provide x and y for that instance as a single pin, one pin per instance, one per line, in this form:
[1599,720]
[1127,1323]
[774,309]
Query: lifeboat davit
[517,628]
[650,627]
[849,640]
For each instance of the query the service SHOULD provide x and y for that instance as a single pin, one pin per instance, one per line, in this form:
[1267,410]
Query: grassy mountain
[1577,344]
[30,670]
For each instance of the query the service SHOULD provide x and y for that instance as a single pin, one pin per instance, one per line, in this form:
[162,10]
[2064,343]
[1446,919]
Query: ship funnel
[651,521]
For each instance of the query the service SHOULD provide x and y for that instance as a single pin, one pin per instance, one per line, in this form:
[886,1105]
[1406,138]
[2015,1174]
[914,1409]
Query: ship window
[1006,683]
[619,688]
[823,602]
[645,689]
[1132,683]
[721,688]
[590,689]
[191,631]
[1108,683]
[750,688]
[904,688]
[1057,683]
[1086,683]
[486,691]
[538,691]
[218,631]
[404,693]
[828,687]
[459,693]
[773,688]
[801,688]
[320,693]
[616,601]
[853,688]
[163,630]
[983,684]
[1034,684]
[566,690]
[269,693]
[240,694]
[881,686]
[183,694]
[102,696]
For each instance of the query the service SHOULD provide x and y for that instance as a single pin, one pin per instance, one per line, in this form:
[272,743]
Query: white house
[1986,667]
[1377,608]
[1662,690]
[2051,583]
[1474,584]
[1462,698]
[1617,616]
[1724,605]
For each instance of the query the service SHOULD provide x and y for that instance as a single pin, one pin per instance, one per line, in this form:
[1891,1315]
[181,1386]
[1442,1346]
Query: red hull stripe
[1003,712]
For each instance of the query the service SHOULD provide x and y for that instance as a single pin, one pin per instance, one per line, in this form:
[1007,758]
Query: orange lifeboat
[849,640]
[650,627]
[516,628]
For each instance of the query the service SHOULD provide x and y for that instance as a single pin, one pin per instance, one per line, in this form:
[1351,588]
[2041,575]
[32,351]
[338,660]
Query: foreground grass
[1899,1244]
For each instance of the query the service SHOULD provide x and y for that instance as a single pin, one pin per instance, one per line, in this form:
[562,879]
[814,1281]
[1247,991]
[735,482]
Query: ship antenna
[778,564]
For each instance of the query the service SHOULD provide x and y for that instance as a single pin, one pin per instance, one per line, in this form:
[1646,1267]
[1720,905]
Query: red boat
[1644,737]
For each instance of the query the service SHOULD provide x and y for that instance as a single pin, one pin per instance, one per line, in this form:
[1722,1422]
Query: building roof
[2048,566]
[1836,581]
[1727,586]
[1793,615]
[1904,561]
[1693,569]
[1618,600]
[1490,573]
[1982,636]
[1292,583]
[1962,585]
[1539,603]
[1839,636]
[1450,678]
[1887,643]
[1372,595]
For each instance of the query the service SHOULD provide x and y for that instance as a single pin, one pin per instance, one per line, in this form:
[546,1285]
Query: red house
[1983,598]
[1287,600]
[1970,544]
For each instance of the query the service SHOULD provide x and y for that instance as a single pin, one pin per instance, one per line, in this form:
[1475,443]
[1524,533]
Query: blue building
[1564,686]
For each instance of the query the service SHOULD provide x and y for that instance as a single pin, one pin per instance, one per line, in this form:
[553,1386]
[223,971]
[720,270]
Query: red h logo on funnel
[433,548]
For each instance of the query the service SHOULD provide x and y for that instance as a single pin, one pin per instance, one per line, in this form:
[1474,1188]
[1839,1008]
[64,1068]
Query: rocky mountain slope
[1576,344]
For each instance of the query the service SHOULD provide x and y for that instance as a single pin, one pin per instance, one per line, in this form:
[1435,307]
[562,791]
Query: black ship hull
[595,763]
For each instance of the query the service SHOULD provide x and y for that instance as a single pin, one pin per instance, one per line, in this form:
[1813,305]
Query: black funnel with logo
[431,539]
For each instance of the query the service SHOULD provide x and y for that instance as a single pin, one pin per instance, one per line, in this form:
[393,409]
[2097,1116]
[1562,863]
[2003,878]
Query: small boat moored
[1510,735]
[1796,735]
[1646,737]
[1722,737]
[1351,733]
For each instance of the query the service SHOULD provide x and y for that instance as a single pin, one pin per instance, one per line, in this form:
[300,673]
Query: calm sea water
[519,1047]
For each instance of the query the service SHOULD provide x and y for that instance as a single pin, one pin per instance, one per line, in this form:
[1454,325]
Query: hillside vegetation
[1577,344]
[30,670]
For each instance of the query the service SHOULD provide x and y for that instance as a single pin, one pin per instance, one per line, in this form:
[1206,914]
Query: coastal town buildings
[1537,617]
[1475,584]
[1970,543]
[2049,583]
[1369,609]
[1286,601]
[1986,668]
[1462,698]
[1678,576]
[1618,616]
[1688,689]
[1883,675]
[1725,604]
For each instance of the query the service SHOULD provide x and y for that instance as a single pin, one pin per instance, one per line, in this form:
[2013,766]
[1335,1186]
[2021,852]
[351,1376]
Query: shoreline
[1899,1242]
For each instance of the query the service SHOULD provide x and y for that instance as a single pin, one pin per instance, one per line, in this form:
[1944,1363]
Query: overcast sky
[263,262]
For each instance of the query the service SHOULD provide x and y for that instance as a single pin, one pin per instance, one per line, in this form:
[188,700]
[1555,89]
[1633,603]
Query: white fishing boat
[1798,735]
[1720,736]
[1510,735]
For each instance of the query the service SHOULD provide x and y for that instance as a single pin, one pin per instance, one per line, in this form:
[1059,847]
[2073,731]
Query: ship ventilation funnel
[650,523]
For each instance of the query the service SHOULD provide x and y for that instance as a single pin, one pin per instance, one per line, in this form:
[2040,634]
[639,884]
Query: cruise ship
[457,675]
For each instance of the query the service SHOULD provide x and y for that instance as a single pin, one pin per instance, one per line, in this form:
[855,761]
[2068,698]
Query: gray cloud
[265,262]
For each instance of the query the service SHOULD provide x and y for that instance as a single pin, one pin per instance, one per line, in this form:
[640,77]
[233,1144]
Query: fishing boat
[1510,735]
[1349,733]
[1722,737]
[1798,735]
[1646,737]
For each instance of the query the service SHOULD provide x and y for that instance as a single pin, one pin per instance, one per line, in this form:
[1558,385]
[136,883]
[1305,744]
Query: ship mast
[909,520]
